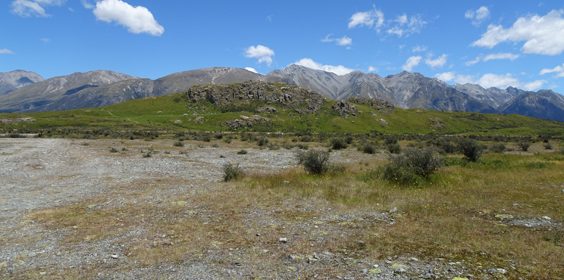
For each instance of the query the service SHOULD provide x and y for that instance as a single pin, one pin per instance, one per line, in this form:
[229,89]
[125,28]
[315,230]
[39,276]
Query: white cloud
[87,4]
[446,76]
[344,41]
[28,8]
[6,51]
[417,49]
[478,16]
[540,34]
[337,69]
[372,69]
[493,56]
[440,61]
[534,85]
[263,54]
[251,69]
[499,81]
[491,80]
[501,56]
[558,70]
[371,19]
[411,63]
[405,25]
[137,19]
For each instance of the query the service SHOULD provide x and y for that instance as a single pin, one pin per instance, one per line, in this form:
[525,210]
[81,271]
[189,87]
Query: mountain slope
[253,106]
[36,96]
[544,104]
[405,90]
[10,81]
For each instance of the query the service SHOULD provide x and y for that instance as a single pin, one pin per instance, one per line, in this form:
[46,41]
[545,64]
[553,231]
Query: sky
[492,43]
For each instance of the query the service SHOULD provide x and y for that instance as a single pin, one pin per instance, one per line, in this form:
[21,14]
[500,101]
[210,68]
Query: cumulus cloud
[491,80]
[262,54]
[344,41]
[493,56]
[6,51]
[446,76]
[411,63]
[405,25]
[137,19]
[29,8]
[337,69]
[477,16]
[558,70]
[251,69]
[440,61]
[372,69]
[371,19]
[540,34]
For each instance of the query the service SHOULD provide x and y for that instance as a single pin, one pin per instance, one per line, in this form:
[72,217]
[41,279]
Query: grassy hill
[175,113]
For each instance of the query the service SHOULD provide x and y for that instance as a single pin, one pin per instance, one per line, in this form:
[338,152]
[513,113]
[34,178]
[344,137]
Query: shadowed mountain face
[13,80]
[405,90]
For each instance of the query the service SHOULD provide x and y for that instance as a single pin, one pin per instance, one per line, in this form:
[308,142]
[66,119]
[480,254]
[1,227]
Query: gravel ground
[41,174]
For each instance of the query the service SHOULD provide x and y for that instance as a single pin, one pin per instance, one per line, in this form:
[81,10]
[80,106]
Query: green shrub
[445,145]
[412,166]
[242,152]
[232,172]
[113,150]
[369,149]
[349,139]
[314,161]
[178,144]
[262,141]
[498,148]
[524,145]
[338,144]
[470,149]
[393,148]
[547,146]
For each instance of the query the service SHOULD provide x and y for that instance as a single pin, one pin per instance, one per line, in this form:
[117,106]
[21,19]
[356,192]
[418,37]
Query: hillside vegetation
[181,112]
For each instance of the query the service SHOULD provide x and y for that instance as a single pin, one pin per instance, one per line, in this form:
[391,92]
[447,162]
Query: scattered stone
[504,216]
[547,218]
[383,122]
[494,271]
[115,256]
[375,270]
[459,278]
[399,268]
[283,240]
[177,122]
[345,109]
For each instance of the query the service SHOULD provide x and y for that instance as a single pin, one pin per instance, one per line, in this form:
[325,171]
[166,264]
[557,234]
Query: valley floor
[99,209]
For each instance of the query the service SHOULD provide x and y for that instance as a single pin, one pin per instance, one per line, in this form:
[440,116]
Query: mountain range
[22,91]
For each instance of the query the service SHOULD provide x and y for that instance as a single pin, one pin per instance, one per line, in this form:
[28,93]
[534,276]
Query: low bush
[412,166]
[314,161]
[232,172]
[393,148]
[369,149]
[338,144]
[242,152]
[178,144]
[470,149]
[524,145]
[547,146]
[498,148]
[262,141]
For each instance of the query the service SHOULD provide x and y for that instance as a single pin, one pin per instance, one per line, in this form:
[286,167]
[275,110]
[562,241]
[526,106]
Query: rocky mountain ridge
[404,90]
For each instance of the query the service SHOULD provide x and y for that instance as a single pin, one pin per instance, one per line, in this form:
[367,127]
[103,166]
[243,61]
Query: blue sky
[501,43]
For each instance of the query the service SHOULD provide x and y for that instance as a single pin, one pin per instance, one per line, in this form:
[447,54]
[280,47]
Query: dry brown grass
[452,216]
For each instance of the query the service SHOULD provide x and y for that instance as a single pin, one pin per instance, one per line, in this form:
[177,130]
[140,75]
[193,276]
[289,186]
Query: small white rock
[115,256]
[283,240]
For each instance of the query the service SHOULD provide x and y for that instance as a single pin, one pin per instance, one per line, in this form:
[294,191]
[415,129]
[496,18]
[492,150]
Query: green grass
[173,113]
